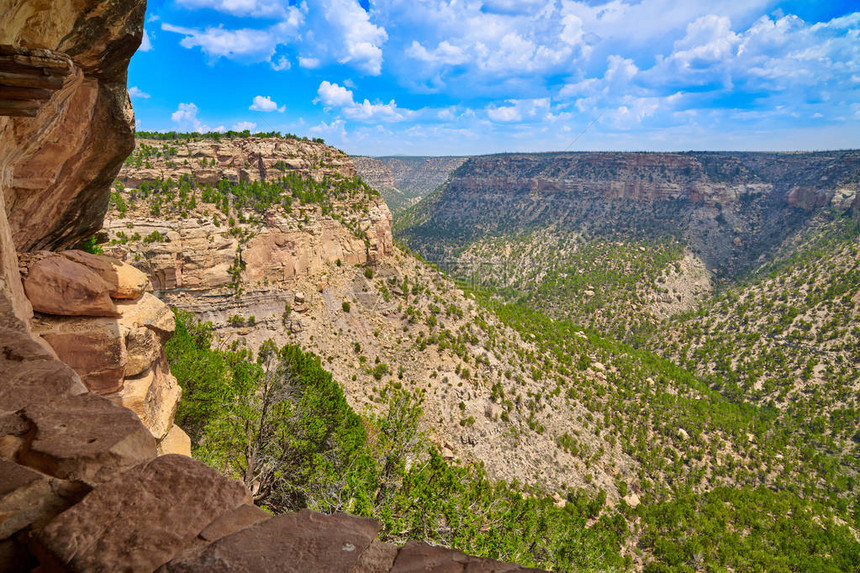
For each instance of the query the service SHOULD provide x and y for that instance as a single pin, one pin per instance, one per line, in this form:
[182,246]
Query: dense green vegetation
[733,463]
[279,422]
[745,529]
[216,135]
[166,196]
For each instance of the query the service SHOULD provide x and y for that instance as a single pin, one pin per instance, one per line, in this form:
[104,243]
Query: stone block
[141,519]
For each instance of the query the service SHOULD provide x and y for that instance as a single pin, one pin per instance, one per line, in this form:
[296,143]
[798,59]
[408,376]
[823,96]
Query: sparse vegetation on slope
[789,336]
[279,422]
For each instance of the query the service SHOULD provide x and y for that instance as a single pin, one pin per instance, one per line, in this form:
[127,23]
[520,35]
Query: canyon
[732,209]
[625,247]
[404,181]
[661,348]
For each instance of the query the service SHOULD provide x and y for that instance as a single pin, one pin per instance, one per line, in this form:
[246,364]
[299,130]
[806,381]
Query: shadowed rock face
[56,167]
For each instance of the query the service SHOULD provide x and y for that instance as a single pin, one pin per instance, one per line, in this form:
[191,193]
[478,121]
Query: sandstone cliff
[58,164]
[730,208]
[194,250]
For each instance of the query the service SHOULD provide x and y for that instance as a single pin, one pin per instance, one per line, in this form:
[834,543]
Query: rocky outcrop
[28,77]
[195,255]
[57,285]
[304,541]
[199,248]
[57,166]
[119,352]
[208,161]
[172,499]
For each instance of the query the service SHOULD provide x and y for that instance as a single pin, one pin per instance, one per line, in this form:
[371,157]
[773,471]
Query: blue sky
[456,77]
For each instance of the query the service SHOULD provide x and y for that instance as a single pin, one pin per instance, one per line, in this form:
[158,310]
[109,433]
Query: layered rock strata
[730,208]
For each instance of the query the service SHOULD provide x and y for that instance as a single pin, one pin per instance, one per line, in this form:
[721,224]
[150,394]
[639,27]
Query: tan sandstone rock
[142,518]
[62,161]
[153,396]
[126,282]
[150,312]
[93,347]
[416,557]
[378,558]
[57,285]
[150,324]
[175,442]
[31,499]
[30,372]
[104,351]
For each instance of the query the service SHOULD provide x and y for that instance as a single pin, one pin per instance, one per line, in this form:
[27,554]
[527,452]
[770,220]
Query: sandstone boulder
[93,347]
[31,499]
[149,312]
[632,499]
[153,396]
[85,438]
[234,520]
[57,285]
[175,442]
[143,348]
[149,324]
[126,282]
[415,557]
[299,542]
[378,558]
[141,519]
[104,351]
[31,374]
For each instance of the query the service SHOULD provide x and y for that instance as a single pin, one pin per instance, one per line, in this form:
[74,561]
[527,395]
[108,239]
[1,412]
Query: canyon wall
[199,245]
[403,181]
[731,208]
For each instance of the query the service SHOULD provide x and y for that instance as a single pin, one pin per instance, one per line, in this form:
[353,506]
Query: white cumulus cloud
[341,31]
[253,8]
[185,118]
[262,103]
[321,32]
[245,125]
[136,92]
[336,96]
[520,110]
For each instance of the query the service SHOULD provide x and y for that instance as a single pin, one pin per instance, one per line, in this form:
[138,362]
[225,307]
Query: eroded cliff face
[202,249]
[729,207]
[57,166]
